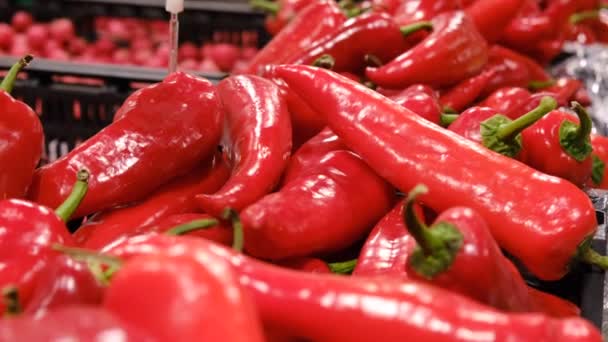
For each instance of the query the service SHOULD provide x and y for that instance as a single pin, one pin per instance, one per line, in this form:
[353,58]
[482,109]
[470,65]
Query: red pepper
[412,11]
[462,95]
[452,53]
[305,264]
[171,127]
[507,71]
[582,97]
[374,34]
[325,208]
[530,103]
[564,88]
[203,289]
[553,305]
[484,181]
[295,300]
[600,158]
[27,233]
[496,131]
[536,71]
[64,282]
[257,141]
[530,26]
[421,100]
[491,17]
[559,145]
[281,13]
[21,139]
[505,98]
[71,323]
[175,197]
[560,12]
[316,20]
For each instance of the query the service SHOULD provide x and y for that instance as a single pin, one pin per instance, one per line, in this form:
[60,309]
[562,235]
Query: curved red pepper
[505,98]
[452,53]
[600,158]
[295,300]
[506,72]
[257,141]
[324,209]
[536,71]
[530,26]
[564,88]
[315,21]
[378,129]
[421,100]
[27,233]
[523,106]
[559,145]
[462,95]
[374,34]
[416,10]
[21,139]
[175,197]
[171,127]
[491,17]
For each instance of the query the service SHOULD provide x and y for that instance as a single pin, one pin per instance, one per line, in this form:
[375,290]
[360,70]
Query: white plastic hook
[174,7]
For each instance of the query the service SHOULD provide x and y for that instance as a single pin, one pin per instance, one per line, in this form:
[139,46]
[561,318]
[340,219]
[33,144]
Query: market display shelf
[227,6]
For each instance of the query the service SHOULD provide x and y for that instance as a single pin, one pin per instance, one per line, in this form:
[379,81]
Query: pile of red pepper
[361,183]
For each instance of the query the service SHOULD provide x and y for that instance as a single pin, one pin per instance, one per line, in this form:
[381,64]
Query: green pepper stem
[447,119]
[191,226]
[88,255]
[325,62]
[8,82]
[10,295]
[237,228]
[512,129]
[582,16]
[588,255]
[69,206]
[420,231]
[585,124]
[537,85]
[265,5]
[344,267]
[415,27]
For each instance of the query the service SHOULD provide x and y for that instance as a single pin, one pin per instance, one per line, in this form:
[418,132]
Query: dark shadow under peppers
[406,150]
[257,142]
[21,138]
[452,53]
[165,131]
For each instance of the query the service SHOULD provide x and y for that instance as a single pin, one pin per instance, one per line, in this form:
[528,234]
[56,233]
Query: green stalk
[415,27]
[325,61]
[9,81]
[447,119]
[538,85]
[69,206]
[265,5]
[510,130]
[575,139]
[10,295]
[237,227]
[585,15]
[192,226]
[344,267]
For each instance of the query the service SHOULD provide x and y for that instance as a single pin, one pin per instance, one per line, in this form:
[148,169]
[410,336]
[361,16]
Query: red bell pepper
[27,233]
[462,95]
[413,11]
[421,100]
[281,13]
[452,53]
[484,181]
[600,158]
[315,21]
[21,139]
[295,300]
[506,98]
[374,34]
[171,127]
[257,141]
[64,282]
[203,289]
[491,17]
[559,145]
[496,131]
[324,209]
[71,323]
[175,197]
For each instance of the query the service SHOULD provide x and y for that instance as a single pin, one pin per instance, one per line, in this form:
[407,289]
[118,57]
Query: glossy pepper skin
[530,103]
[598,178]
[420,99]
[21,139]
[491,17]
[173,198]
[535,70]
[315,21]
[559,145]
[351,304]
[71,323]
[171,127]
[64,282]
[281,13]
[485,182]
[369,33]
[452,53]
[323,209]
[416,10]
[27,234]
[462,95]
[507,71]
[530,26]
[257,142]
[506,98]
[565,89]
[200,299]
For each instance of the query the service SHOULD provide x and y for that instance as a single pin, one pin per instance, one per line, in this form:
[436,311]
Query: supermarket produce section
[381,170]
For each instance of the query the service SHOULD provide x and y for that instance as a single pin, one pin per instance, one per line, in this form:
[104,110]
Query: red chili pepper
[530,103]
[553,305]
[462,95]
[507,71]
[484,182]
[323,209]
[64,282]
[496,131]
[175,197]
[452,53]
[559,145]
[71,323]
[491,17]
[530,26]
[257,140]
[281,13]
[505,98]
[21,139]
[201,288]
[420,99]
[27,233]
[374,34]
[560,12]
[564,88]
[582,97]
[297,300]
[413,11]
[315,21]
[305,264]
[536,71]
[600,158]
[171,127]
